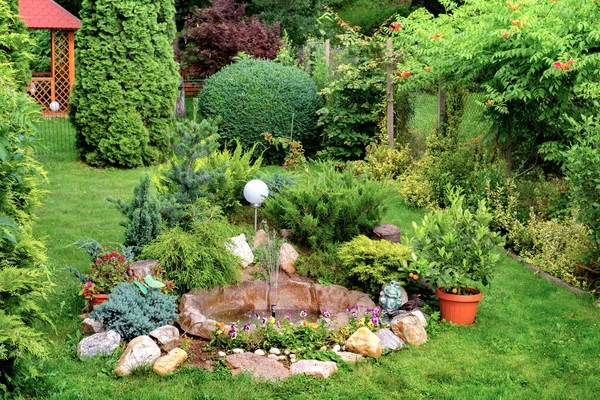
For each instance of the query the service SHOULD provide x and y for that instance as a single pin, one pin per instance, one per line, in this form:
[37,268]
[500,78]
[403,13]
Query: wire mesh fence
[55,136]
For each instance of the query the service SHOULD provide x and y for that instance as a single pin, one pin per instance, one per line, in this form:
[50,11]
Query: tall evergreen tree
[126,83]
[14,51]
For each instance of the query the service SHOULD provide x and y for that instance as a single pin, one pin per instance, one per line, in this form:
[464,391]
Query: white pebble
[292,356]
[238,351]
[293,360]
[287,352]
[259,352]
[272,356]
[275,350]
[281,358]
[324,348]
[336,348]
[221,354]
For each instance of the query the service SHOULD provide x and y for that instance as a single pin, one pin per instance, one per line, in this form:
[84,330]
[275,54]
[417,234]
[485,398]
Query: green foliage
[131,313]
[582,169]
[382,163]
[455,247]
[355,98]
[197,258]
[238,167]
[368,263]
[277,181]
[24,280]
[332,207]
[144,222]
[321,266]
[520,56]
[127,81]
[108,269]
[256,96]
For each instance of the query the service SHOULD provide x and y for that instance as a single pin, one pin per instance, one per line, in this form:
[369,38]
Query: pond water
[244,317]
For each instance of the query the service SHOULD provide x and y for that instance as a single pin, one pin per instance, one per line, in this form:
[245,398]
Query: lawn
[531,339]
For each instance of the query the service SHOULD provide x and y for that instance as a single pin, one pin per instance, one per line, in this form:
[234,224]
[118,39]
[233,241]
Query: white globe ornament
[256,191]
[54,106]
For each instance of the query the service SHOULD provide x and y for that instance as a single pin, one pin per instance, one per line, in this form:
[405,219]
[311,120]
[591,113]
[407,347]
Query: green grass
[531,339]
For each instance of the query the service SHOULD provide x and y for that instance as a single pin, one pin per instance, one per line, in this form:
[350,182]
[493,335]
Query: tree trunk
[180,104]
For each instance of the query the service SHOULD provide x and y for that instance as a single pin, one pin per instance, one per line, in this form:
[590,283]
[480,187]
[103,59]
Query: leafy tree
[14,48]
[537,61]
[217,34]
[127,82]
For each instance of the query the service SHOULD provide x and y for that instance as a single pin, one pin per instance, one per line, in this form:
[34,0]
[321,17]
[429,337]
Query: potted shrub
[109,268]
[457,249]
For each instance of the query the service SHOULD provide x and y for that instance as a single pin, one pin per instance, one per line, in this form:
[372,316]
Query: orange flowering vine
[437,36]
[513,7]
[505,35]
[427,68]
[403,74]
[395,26]
[515,22]
[566,66]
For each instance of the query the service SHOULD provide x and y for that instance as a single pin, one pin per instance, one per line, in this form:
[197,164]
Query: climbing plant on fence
[537,61]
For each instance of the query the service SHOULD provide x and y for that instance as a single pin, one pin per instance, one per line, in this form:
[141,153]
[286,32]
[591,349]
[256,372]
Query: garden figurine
[390,299]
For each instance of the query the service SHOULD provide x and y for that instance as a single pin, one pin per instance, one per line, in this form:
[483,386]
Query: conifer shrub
[197,257]
[127,82]
[367,264]
[131,313]
[144,220]
[257,96]
[332,207]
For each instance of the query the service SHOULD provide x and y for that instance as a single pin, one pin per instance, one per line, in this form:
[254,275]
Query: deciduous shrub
[367,263]
[332,207]
[127,81]
[131,313]
[217,34]
[256,96]
[382,163]
[197,258]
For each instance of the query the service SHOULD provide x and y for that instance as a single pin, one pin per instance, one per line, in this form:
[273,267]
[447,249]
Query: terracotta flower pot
[99,299]
[459,309]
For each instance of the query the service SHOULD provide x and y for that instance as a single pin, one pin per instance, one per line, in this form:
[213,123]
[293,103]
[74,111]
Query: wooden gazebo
[55,85]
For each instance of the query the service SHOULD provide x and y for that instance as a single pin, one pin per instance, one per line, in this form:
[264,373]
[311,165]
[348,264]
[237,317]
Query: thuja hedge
[126,83]
[257,96]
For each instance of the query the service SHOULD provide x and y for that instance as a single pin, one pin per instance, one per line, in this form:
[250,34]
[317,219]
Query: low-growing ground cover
[531,339]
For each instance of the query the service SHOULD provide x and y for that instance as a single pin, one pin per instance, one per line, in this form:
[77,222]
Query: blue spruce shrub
[132,314]
[257,96]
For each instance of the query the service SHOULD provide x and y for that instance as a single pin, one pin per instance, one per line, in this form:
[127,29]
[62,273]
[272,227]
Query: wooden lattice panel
[61,72]
[41,90]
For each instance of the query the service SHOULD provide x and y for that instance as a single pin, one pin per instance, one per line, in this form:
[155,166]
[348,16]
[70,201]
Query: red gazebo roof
[46,14]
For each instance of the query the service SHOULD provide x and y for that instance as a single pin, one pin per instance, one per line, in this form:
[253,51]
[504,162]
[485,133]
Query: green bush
[382,163]
[582,169]
[256,96]
[197,258]
[24,281]
[144,221]
[455,247]
[367,263]
[127,81]
[332,207]
[131,313]
[321,266]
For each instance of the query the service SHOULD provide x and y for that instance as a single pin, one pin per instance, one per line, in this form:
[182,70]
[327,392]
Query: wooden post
[327,53]
[390,98]
[71,39]
[52,69]
[441,107]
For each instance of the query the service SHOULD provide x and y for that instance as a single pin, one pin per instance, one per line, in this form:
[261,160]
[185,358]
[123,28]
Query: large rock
[417,313]
[389,341]
[261,367]
[169,363]
[140,352]
[90,326]
[409,329]
[141,268]
[336,299]
[364,342]
[103,343]
[260,238]
[166,336]
[287,257]
[240,247]
[324,369]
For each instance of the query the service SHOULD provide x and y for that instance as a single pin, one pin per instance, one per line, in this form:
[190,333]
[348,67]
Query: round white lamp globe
[54,106]
[256,191]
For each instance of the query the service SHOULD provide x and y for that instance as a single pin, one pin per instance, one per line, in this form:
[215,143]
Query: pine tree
[127,81]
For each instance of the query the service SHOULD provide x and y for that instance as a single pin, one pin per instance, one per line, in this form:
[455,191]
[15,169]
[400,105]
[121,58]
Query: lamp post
[255,192]
[54,107]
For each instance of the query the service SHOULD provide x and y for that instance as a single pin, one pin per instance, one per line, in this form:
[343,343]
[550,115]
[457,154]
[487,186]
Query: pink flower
[558,65]
[284,165]
[288,316]
[89,284]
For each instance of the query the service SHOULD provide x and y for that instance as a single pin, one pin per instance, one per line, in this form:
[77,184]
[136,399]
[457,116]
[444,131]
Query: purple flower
[348,309]
[354,314]
[375,319]
[326,313]
[265,320]
[377,310]
[233,332]
[303,314]
[288,316]
[89,284]
[356,306]
[246,327]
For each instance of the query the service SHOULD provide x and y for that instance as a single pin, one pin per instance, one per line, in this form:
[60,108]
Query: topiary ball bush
[256,96]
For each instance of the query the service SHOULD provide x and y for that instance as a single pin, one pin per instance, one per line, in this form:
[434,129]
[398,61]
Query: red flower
[437,36]
[566,66]
[514,8]
[394,26]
